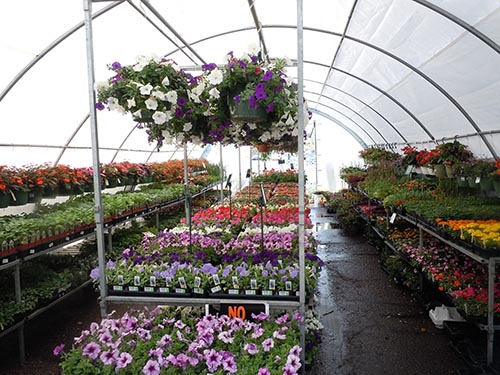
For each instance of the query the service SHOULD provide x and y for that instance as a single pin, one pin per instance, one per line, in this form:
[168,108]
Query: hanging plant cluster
[245,102]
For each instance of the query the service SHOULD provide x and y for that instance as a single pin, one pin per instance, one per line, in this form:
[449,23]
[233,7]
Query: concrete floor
[371,325]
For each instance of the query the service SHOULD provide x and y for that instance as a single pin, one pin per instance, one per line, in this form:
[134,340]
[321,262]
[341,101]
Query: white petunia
[198,90]
[165,81]
[114,105]
[146,89]
[214,93]
[160,95]
[137,114]
[171,97]
[253,48]
[160,117]
[130,103]
[187,127]
[102,85]
[151,104]
[252,125]
[215,77]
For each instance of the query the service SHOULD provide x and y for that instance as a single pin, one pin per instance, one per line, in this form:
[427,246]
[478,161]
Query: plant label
[216,279]
[152,281]
[182,282]
[197,282]
[137,280]
[393,218]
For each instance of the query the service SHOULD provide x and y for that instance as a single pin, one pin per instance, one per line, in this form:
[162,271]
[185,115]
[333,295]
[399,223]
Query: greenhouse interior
[250,187]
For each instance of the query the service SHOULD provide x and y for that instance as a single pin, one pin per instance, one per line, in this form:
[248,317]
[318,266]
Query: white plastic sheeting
[405,71]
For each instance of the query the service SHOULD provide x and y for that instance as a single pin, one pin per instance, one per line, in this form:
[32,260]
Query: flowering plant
[266,88]
[169,102]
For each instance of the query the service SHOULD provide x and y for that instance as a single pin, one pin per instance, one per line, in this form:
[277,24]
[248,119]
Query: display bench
[15,257]
[483,256]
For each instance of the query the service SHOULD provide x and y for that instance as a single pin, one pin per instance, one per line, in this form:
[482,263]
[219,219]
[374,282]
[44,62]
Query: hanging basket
[35,196]
[242,112]
[20,198]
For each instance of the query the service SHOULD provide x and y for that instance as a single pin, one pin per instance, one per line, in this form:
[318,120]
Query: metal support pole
[316,153]
[20,331]
[110,239]
[187,195]
[221,175]
[300,155]
[98,209]
[157,220]
[491,310]
[239,169]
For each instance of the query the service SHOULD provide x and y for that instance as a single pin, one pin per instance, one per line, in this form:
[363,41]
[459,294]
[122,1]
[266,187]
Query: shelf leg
[110,239]
[491,311]
[20,331]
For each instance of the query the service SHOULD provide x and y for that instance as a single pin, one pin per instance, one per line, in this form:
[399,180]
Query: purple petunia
[263,371]
[213,359]
[58,349]
[152,367]
[116,65]
[99,106]
[123,360]
[268,344]
[91,350]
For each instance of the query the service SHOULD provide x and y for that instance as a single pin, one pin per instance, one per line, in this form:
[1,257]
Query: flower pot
[35,196]
[20,198]
[486,184]
[111,182]
[439,171]
[496,185]
[462,181]
[472,182]
[242,112]
[65,190]
[449,171]
[50,192]
[4,199]
[262,148]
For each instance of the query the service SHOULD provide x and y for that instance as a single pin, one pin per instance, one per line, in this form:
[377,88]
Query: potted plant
[258,99]
[452,153]
[169,102]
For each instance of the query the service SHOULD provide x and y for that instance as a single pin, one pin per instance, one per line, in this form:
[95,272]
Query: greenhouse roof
[389,72]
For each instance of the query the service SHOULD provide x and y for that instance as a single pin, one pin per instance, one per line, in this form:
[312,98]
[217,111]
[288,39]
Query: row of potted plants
[30,184]
[446,160]
[247,101]
[60,222]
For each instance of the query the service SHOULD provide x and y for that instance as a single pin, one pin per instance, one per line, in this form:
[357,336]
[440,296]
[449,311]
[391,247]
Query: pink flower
[263,371]
[151,368]
[91,350]
[58,349]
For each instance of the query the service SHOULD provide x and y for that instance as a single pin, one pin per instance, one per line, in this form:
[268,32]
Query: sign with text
[243,311]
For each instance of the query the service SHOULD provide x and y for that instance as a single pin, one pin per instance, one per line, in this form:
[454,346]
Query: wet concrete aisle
[371,325]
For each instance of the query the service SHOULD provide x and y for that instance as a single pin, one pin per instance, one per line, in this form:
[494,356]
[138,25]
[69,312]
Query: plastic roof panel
[401,67]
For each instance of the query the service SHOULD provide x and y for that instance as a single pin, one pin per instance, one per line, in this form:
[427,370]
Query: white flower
[253,49]
[102,85]
[114,105]
[160,117]
[137,114]
[165,81]
[252,125]
[145,89]
[151,104]
[130,103]
[215,77]
[171,97]
[187,127]
[160,95]
[214,93]
[198,90]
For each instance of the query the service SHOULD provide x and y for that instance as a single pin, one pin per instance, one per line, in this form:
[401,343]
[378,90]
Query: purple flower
[210,66]
[251,348]
[213,359]
[152,367]
[289,370]
[269,74]
[91,350]
[110,265]
[123,360]
[99,106]
[263,371]
[237,99]
[181,101]
[94,274]
[252,103]
[268,344]
[229,364]
[270,108]
[116,65]
[109,357]
[58,349]
[293,361]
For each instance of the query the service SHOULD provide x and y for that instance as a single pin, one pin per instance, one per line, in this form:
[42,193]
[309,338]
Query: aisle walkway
[372,326]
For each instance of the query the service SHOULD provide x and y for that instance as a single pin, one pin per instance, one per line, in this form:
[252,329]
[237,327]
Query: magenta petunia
[152,367]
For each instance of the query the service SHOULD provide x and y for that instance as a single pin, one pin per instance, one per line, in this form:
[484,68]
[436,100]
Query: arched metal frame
[259,27]
[350,109]
[339,123]
[365,104]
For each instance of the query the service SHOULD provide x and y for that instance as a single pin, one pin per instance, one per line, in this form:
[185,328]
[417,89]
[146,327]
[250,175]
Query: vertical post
[98,209]
[20,331]
[239,168]
[316,153]
[221,175]
[187,194]
[110,238]
[300,156]
[157,220]
[491,310]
